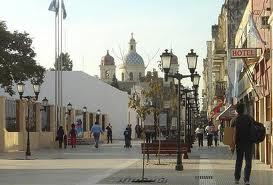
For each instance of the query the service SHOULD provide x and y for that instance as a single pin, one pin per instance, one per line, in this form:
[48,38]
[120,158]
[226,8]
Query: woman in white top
[200,133]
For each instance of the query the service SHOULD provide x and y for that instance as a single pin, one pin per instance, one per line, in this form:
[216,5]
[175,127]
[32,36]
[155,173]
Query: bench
[165,148]
[172,142]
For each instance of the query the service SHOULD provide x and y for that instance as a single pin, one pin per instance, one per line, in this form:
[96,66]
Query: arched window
[131,76]
[107,74]
[139,75]
[122,77]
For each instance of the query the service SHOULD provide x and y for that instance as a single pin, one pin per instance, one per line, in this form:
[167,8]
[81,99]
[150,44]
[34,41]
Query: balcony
[220,89]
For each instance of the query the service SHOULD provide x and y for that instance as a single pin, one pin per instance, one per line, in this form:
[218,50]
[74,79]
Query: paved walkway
[206,166]
[112,164]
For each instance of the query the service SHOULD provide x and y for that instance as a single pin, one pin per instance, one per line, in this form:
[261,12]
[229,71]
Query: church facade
[132,69]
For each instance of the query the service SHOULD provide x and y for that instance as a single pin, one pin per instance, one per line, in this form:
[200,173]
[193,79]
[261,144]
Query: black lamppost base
[179,167]
[28,153]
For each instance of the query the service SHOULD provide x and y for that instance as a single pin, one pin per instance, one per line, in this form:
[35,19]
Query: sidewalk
[205,166]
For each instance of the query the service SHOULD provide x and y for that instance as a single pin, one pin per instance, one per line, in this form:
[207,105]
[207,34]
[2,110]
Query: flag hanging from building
[54,6]
[63,9]
[253,29]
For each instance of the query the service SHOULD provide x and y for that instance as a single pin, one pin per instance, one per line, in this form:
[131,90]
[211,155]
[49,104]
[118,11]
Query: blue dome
[133,58]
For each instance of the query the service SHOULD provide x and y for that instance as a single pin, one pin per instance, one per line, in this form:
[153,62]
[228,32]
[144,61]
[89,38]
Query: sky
[94,26]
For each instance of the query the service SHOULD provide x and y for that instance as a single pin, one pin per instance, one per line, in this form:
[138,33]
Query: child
[73,134]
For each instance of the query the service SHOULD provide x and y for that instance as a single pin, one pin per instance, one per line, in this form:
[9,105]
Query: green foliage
[67,62]
[136,104]
[153,93]
[17,61]
[114,82]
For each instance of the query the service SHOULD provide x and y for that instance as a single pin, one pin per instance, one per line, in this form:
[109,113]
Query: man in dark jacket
[60,136]
[242,143]
[109,133]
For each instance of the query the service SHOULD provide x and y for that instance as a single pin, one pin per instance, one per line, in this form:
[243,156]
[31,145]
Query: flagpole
[56,70]
[61,68]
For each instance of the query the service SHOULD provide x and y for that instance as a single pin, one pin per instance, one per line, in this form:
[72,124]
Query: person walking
[138,130]
[242,143]
[209,131]
[60,136]
[221,131]
[130,133]
[96,131]
[73,136]
[127,138]
[109,133]
[200,135]
[215,137]
[148,135]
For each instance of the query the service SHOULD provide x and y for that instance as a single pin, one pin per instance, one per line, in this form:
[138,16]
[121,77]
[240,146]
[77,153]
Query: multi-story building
[254,74]
[218,66]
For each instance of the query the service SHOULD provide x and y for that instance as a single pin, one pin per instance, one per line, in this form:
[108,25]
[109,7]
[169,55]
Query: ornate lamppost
[166,58]
[29,99]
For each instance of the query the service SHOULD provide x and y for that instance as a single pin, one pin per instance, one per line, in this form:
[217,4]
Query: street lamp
[44,104]
[69,108]
[21,89]
[196,79]
[84,110]
[166,64]
[98,115]
[192,61]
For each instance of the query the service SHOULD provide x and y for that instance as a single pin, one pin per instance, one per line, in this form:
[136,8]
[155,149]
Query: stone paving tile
[206,166]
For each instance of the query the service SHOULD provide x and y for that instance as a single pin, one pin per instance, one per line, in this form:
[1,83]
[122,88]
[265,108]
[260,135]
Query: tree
[67,62]
[114,82]
[155,95]
[17,63]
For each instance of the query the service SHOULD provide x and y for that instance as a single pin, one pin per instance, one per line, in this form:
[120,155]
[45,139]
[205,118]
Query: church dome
[133,57]
[107,60]
[174,58]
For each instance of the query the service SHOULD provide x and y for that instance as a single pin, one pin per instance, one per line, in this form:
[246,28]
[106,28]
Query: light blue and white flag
[253,29]
[54,6]
[64,11]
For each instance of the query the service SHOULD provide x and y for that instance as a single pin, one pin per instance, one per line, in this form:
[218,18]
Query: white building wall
[81,90]
[135,69]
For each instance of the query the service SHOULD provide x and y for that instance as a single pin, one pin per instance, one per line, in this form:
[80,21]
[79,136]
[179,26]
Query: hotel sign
[243,53]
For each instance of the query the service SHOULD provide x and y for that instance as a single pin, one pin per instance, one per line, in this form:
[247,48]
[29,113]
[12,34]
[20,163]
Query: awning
[227,114]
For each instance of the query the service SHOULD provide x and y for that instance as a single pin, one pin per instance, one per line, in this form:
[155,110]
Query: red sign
[243,53]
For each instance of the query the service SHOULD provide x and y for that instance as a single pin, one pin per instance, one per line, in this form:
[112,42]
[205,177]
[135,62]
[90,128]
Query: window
[262,67]
[107,74]
[268,108]
[139,75]
[131,76]
[122,77]
[132,47]
[264,22]
[11,123]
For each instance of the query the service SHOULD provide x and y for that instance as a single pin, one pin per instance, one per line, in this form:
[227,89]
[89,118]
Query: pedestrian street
[113,164]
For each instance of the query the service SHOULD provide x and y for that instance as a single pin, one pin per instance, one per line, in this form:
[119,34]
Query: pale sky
[93,26]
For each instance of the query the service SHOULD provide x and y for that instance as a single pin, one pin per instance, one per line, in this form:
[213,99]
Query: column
[2,123]
[87,124]
[38,117]
[52,120]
